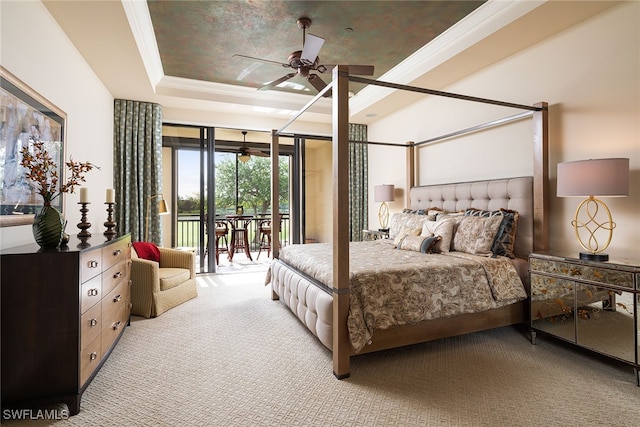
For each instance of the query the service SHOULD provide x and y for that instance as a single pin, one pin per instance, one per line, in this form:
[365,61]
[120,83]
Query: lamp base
[594,257]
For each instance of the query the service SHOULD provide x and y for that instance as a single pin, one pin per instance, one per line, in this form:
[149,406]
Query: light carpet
[234,357]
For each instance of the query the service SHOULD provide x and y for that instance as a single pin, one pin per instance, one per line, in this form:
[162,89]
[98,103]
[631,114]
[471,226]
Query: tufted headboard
[508,193]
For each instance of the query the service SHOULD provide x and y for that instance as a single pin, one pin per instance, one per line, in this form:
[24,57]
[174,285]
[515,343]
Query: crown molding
[484,21]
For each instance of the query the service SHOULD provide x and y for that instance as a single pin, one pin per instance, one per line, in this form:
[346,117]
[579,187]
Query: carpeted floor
[233,357]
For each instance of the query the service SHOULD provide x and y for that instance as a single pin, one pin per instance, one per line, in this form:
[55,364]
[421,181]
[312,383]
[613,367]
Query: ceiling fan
[306,60]
[246,153]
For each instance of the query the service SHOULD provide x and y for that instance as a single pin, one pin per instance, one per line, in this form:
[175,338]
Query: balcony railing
[188,230]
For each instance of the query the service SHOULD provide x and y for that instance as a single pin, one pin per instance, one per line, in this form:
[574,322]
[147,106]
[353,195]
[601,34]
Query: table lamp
[384,194]
[591,178]
[162,210]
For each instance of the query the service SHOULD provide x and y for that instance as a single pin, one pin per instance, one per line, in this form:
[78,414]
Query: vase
[48,227]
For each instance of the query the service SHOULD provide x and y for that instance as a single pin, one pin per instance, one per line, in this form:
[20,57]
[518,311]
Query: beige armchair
[158,287]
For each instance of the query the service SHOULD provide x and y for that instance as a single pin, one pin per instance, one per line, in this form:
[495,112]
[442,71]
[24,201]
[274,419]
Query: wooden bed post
[541,177]
[411,172]
[341,343]
[275,191]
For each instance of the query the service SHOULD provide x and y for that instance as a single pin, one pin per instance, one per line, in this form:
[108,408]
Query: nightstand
[375,234]
[590,304]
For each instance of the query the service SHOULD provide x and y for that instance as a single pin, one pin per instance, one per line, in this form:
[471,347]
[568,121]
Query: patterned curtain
[137,142]
[358,181]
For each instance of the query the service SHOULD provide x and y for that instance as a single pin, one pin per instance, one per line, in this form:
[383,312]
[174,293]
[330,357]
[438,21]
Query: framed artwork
[25,117]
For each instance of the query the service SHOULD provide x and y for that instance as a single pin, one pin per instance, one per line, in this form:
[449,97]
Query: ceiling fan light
[244,157]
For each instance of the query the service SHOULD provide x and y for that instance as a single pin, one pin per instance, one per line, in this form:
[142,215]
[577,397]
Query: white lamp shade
[383,193]
[597,177]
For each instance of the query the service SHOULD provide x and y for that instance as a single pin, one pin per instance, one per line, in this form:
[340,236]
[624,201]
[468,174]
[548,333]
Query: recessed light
[371,115]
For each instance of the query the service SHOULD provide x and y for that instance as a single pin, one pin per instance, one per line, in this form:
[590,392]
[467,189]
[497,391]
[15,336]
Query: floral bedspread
[391,287]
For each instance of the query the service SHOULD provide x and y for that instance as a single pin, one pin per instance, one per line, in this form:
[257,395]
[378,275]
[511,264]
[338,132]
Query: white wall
[589,75]
[36,50]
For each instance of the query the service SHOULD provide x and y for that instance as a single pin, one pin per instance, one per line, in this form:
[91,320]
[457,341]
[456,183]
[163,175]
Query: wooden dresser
[63,311]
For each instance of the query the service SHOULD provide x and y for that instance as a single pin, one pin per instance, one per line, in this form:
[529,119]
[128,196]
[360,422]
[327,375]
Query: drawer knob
[118,274]
[93,264]
[117,252]
[117,298]
[93,322]
[93,292]
[116,325]
[93,355]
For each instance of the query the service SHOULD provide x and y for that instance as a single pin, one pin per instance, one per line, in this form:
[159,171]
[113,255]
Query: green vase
[48,227]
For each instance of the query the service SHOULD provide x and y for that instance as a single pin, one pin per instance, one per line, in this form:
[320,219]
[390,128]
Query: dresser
[590,304]
[63,312]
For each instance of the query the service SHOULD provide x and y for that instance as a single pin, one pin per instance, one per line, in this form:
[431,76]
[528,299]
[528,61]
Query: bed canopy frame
[339,86]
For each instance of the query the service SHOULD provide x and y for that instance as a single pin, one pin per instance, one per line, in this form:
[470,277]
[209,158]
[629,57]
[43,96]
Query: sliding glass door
[231,168]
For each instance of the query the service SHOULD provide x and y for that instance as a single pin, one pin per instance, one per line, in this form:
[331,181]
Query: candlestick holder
[110,223]
[83,225]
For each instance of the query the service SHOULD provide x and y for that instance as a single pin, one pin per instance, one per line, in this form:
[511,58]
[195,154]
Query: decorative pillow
[407,231]
[415,211]
[147,250]
[475,235]
[506,236]
[423,244]
[399,221]
[444,229]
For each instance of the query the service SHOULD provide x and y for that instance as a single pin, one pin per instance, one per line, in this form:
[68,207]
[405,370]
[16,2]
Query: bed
[400,297]
[333,298]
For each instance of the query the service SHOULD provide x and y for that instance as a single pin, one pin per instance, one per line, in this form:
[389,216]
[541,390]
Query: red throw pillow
[147,250]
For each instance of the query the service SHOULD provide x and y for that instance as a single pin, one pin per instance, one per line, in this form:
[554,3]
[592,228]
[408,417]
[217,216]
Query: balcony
[188,236]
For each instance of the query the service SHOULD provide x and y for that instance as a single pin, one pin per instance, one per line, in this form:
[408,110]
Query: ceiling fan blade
[361,70]
[311,48]
[263,60]
[318,83]
[276,82]
[257,153]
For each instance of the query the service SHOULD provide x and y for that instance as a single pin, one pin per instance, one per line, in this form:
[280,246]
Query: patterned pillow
[401,220]
[407,231]
[506,236]
[423,244]
[444,229]
[475,234]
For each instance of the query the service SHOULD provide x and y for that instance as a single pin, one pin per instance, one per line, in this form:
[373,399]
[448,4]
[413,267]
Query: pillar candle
[111,198]
[84,195]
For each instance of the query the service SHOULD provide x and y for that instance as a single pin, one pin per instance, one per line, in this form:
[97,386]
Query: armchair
[159,286]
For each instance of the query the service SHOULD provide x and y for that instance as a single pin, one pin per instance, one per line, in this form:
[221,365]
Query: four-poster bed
[324,305]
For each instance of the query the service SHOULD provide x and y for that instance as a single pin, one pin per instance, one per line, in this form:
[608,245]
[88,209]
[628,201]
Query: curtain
[138,168]
[358,181]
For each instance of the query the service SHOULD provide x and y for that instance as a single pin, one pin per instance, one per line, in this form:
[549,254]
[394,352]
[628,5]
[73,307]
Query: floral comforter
[395,287]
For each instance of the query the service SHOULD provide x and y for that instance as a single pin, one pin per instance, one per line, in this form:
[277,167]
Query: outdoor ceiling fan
[246,153]
[306,60]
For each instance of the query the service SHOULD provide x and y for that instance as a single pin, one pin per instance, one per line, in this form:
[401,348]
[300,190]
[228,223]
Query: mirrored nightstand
[375,234]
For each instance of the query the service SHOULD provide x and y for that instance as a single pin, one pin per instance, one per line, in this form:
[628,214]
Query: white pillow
[444,229]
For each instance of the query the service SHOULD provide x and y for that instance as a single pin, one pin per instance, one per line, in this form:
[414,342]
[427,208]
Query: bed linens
[390,287]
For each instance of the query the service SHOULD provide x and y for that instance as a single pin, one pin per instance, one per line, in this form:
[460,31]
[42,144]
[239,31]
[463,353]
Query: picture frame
[25,116]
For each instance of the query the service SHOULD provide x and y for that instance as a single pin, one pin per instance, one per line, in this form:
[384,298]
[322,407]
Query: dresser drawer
[90,325]
[113,276]
[90,264]
[90,359]
[115,313]
[91,293]
[607,276]
[115,253]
